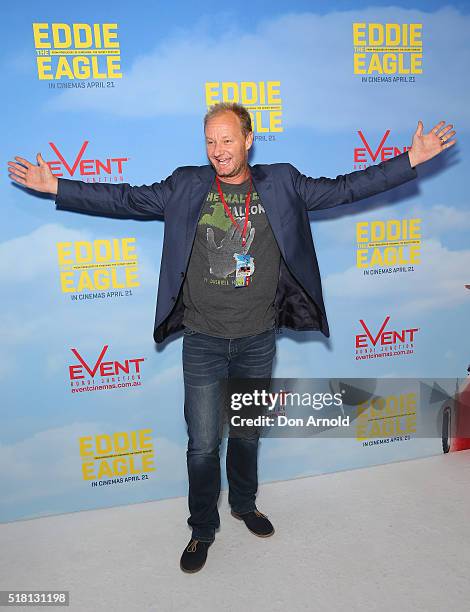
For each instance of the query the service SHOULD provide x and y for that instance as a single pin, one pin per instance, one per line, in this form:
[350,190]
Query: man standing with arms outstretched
[238,262]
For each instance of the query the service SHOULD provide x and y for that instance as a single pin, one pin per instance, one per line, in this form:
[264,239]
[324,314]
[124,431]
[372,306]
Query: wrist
[412,158]
[54,185]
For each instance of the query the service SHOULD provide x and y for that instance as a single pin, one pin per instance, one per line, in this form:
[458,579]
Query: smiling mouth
[223,162]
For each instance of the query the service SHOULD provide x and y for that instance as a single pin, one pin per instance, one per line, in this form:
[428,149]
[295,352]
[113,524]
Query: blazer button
[182,274]
[173,299]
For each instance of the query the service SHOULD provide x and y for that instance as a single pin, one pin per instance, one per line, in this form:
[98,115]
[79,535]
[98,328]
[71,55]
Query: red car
[456,419]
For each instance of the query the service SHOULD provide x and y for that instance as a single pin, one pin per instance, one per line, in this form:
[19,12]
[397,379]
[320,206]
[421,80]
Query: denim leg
[205,362]
[252,358]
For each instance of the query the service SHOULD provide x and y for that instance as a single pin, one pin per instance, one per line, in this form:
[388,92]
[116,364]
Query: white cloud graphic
[44,464]
[437,283]
[436,219]
[39,313]
[167,376]
[441,218]
[33,256]
[29,257]
[48,464]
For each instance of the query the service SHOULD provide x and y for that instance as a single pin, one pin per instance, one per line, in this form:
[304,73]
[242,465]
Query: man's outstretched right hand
[37,177]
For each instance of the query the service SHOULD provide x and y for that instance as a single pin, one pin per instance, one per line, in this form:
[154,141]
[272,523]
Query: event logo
[123,456]
[368,154]
[391,418]
[388,247]
[91,170]
[98,374]
[382,50]
[384,342]
[79,51]
[109,268]
[261,98]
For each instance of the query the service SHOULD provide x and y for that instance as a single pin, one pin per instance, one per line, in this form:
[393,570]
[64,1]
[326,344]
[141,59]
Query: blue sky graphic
[154,117]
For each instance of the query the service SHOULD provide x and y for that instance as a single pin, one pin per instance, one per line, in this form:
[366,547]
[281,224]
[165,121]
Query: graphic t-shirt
[229,288]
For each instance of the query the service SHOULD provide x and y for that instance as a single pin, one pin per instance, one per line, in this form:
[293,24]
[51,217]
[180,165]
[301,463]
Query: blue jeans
[207,361]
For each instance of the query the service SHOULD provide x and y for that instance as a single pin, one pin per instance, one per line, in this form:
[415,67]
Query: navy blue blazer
[286,195]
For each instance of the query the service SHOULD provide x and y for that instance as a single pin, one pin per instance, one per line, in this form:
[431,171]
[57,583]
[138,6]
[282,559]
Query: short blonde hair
[234,107]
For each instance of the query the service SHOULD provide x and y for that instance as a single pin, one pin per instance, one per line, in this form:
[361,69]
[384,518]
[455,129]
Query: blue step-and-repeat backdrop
[91,409]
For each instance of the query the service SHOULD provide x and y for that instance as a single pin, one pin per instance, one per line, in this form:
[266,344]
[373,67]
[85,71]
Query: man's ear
[249,140]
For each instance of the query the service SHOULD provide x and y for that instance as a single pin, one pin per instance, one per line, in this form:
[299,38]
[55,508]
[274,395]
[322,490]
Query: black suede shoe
[194,556]
[257,522]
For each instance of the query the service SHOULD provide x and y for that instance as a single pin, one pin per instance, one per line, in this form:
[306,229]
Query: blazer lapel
[262,182]
[201,183]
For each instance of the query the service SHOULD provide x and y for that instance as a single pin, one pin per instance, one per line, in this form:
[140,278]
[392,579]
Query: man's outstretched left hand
[426,146]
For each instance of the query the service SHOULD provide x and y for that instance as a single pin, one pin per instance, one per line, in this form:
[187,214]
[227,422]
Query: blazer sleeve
[119,200]
[324,192]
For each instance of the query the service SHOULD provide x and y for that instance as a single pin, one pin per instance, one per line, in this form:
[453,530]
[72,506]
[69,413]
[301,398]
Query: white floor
[388,538]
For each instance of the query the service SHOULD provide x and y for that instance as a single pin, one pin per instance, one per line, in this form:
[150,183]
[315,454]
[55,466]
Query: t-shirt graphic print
[230,255]
[230,287]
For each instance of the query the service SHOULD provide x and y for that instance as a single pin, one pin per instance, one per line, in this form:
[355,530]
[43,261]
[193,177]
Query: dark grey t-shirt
[215,302]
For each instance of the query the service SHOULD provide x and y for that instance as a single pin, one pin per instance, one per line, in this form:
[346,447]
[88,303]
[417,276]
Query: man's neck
[243,176]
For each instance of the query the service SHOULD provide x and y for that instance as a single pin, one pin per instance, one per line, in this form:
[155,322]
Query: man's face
[227,147]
